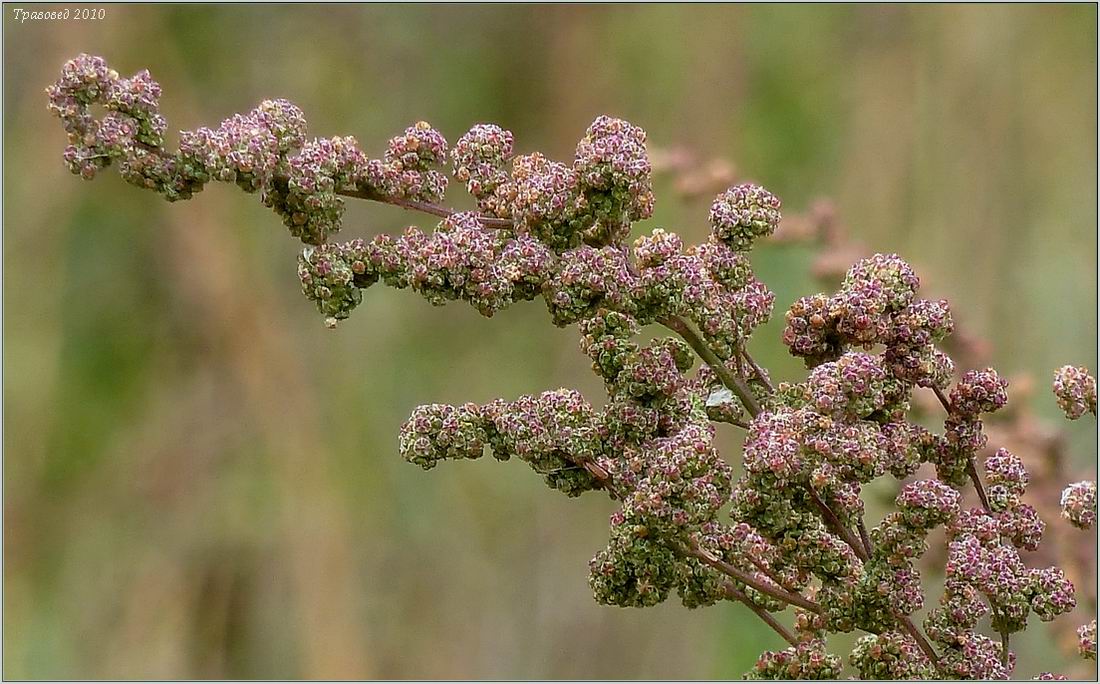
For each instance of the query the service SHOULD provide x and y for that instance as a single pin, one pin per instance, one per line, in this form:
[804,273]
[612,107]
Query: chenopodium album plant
[789,533]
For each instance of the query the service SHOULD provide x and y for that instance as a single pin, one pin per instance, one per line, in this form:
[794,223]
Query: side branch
[425,207]
[777,593]
[971,469]
[760,373]
[764,615]
[734,383]
[912,630]
[837,527]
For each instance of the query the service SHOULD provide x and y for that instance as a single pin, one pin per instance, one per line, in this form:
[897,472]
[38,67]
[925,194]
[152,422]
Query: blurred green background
[202,481]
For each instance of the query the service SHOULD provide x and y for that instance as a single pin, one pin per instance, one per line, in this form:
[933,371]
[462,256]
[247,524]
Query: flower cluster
[479,160]
[876,304]
[807,660]
[743,214]
[613,168]
[890,655]
[984,563]
[1075,389]
[1079,504]
[1087,640]
[556,433]
[559,230]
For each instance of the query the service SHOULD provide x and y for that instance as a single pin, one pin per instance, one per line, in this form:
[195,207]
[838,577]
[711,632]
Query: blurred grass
[201,481]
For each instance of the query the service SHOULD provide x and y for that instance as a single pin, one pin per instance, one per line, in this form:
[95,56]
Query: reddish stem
[971,469]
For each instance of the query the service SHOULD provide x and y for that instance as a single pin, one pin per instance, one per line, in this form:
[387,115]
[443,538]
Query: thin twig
[764,615]
[909,627]
[425,207]
[838,528]
[732,421]
[768,572]
[760,372]
[971,469]
[733,382]
[863,536]
[1004,649]
[775,592]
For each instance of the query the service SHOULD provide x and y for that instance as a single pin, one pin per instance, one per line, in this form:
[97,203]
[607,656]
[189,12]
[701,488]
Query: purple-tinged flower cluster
[743,214]
[333,276]
[1086,640]
[680,481]
[245,149]
[544,199]
[811,330]
[926,504]
[1075,390]
[460,260]
[436,432]
[587,280]
[876,304]
[131,132]
[972,655]
[613,171]
[308,201]
[979,391]
[1007,479]
[807,660]
[1021,527]
[479,160]
[856,385]
[1079,504]
[593,200]
[556,433]
[1052,594]
[634,570]
[979,564]
[890,655]
[409,167]
[256,151]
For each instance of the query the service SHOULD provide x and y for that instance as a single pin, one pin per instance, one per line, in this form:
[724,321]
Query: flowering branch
[789,530]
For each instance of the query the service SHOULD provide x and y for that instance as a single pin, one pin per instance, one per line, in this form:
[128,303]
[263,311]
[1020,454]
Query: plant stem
[1004,649]
[909,627]
[733,382]
[425,207]
[971,469]
[863,536]
[760,373]
[732,421]
[838,528]
[775,592]
[764,615]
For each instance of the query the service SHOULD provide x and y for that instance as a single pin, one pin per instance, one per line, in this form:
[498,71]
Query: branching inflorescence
[790,530]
